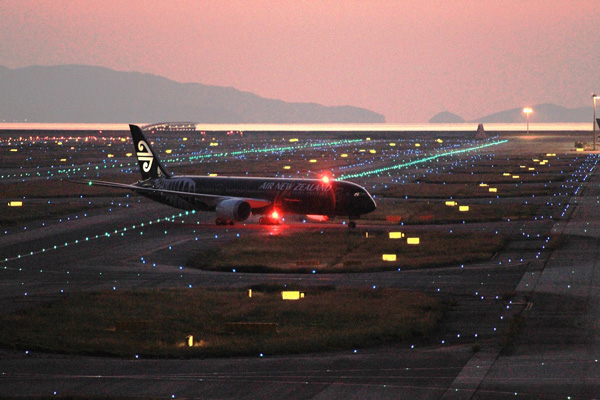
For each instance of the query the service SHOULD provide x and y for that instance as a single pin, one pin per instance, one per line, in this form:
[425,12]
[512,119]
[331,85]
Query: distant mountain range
[541,113]
[76,93]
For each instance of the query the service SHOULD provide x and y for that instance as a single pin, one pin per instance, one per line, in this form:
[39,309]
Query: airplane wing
[210,198]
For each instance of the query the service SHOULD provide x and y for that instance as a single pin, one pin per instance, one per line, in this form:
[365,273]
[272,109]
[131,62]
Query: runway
[556,355]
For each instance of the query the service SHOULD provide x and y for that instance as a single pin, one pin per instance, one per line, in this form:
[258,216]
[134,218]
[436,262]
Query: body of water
[468,126]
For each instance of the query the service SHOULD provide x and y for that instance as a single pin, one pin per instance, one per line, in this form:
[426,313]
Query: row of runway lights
[212,155]
[268,150]
[107,234]
[129,166]
[114,163]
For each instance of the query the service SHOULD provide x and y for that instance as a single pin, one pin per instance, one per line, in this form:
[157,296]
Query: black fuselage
[290,196]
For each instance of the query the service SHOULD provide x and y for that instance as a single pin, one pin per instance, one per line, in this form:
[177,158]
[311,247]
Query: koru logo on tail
[144,156]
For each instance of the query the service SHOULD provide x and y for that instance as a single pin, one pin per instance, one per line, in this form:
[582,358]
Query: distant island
[541,113]
[87,94]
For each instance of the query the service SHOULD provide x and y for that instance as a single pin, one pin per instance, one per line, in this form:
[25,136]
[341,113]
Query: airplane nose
[371,205]
[364,204]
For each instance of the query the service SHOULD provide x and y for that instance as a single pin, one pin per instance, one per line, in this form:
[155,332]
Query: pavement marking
[468,381]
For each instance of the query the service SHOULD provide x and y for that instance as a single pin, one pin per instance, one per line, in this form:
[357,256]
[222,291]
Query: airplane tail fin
[150,165]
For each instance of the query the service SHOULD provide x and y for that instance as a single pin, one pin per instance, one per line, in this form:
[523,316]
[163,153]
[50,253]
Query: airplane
[235,199]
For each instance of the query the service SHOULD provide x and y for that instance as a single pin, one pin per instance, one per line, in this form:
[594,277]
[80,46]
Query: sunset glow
[406,60]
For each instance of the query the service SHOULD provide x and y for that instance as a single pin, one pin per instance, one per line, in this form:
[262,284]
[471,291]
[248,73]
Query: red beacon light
[272,218]
[326,178]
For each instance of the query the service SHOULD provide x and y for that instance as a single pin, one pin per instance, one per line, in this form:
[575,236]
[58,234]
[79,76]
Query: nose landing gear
[352,222]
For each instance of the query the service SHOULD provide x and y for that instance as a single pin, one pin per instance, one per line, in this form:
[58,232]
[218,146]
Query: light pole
[527,111]
[594,97]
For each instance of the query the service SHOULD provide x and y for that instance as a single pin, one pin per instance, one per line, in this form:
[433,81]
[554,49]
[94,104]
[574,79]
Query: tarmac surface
[555,354]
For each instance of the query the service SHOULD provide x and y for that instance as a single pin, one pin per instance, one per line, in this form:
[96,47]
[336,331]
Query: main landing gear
[221,221]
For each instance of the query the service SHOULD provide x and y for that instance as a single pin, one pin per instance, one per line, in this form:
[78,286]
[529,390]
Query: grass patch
[334,251]
[155,323]
[496,178]
[436,212]
[470,190]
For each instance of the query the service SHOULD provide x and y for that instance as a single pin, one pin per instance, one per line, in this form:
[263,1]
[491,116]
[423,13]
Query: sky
[407,60]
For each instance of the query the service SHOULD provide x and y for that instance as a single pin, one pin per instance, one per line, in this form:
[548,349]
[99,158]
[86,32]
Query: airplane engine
[233,210]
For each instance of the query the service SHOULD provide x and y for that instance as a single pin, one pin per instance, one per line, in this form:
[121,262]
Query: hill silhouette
[541,113]
[77,93]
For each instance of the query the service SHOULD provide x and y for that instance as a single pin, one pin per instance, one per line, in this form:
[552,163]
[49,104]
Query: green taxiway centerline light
[408,164]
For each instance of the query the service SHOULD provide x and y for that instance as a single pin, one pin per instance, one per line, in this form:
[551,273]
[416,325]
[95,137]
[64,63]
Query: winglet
[150,165]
